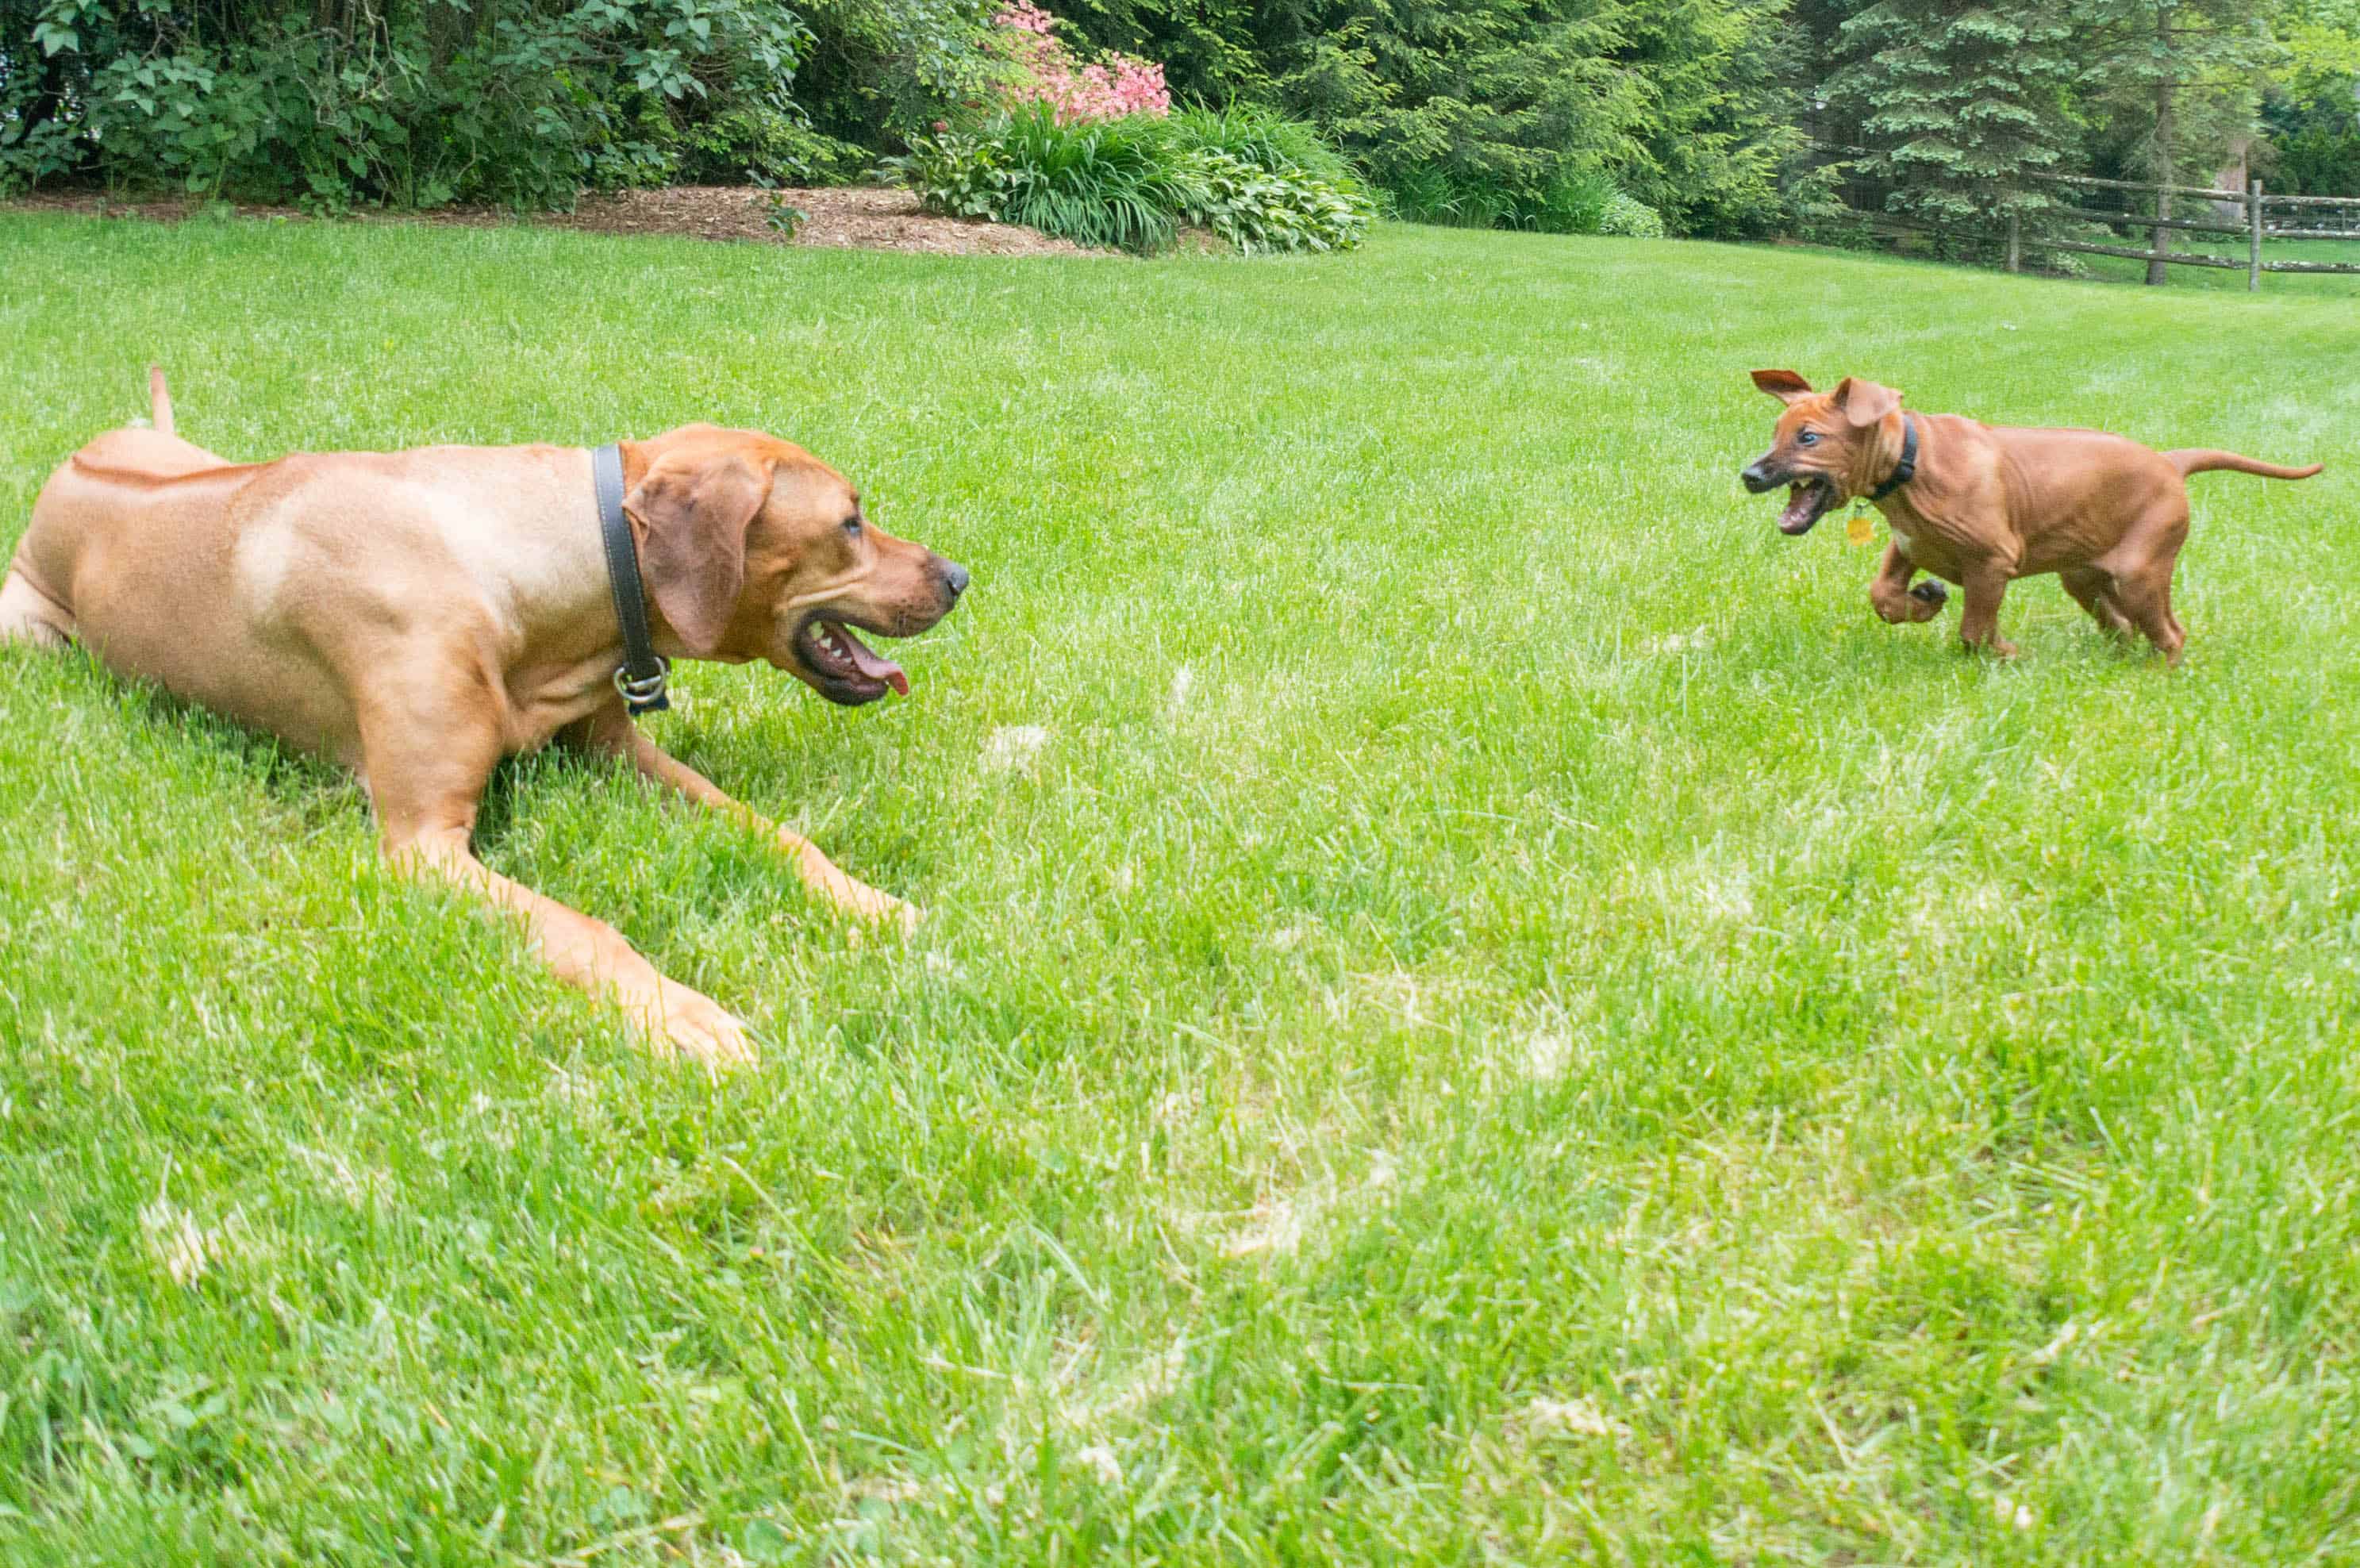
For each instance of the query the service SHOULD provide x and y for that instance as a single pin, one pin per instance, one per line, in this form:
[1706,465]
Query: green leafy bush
[1130,183]
[1631,217]
[958,174]
[1265,138]
[1572,201]
[413,102]
[1256,209]
[1469,111]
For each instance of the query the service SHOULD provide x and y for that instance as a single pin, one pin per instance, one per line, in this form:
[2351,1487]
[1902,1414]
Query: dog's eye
[852,527]
[1809,437]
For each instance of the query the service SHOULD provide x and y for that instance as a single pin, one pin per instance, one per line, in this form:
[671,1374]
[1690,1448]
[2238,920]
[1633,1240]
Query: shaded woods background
[1716,114]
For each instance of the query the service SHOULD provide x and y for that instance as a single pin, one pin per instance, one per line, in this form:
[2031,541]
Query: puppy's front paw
[884,910]
[687,1023]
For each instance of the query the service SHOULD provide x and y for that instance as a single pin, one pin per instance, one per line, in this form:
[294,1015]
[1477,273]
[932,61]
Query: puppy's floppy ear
[1865,402]
[1783,384]
[694,511]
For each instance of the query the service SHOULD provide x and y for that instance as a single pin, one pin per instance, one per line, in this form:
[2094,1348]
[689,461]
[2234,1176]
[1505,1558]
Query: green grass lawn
[1478,1004]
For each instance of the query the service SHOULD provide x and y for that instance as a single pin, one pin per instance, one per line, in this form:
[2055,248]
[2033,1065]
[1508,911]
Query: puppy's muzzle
[1758,478]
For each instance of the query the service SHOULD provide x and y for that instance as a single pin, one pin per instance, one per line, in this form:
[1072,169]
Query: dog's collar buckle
[1907,469]
[645,694]
[642,676]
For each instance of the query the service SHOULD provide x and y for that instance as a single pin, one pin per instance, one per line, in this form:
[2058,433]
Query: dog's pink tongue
[1798,508]
[871,666]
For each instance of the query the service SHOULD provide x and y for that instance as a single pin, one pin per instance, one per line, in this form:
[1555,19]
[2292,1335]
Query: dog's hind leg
[27,615]
[2140,571]
[2146,598]
[2093,590]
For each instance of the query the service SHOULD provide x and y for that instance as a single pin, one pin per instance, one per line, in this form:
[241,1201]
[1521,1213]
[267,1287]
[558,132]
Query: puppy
[1982,505]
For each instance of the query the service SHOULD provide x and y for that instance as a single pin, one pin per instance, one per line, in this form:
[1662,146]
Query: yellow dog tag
[1857,530]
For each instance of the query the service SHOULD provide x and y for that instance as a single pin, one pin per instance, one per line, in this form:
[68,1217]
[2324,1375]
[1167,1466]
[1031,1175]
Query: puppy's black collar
[1907,469]
[640,677]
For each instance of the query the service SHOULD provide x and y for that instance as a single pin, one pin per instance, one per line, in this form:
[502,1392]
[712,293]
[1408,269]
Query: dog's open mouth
[846,664]
[1806,503]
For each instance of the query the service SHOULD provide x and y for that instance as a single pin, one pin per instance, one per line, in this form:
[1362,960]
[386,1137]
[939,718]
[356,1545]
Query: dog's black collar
[1907,469]
[640,677]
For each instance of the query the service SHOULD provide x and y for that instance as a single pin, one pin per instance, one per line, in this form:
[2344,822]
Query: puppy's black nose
[954,577]
[1757,479]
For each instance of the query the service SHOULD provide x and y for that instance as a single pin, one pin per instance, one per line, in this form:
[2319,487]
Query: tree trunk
[2157,271]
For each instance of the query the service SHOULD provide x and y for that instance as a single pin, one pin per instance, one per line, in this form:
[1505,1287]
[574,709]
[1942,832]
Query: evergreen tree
[1959,105]
[2172,80]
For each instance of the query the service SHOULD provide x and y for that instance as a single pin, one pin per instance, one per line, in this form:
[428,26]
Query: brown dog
[1982,505]
[418,615]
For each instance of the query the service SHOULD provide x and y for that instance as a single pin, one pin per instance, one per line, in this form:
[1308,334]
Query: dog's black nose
[955,578]
[1757,479]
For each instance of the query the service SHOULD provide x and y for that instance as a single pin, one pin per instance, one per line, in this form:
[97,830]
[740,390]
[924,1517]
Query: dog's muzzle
[1757,478]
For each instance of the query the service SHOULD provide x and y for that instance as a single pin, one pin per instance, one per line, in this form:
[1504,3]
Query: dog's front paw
[688,1023]
[871,908]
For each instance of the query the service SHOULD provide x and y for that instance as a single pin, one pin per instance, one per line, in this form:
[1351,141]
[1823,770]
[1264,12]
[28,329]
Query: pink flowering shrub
[1044,71]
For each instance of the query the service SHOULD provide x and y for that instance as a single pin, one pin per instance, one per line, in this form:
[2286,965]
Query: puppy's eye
[1809,437]
[852,527]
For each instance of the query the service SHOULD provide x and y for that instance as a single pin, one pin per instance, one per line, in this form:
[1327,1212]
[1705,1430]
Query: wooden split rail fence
[2309,211]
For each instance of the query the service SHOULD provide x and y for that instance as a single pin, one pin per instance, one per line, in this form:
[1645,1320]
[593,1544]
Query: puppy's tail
[160,397]
[2203,460]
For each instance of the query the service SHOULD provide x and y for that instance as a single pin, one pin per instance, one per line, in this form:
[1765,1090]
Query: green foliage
[1115,183]
[1585,202]
[765,144]
[1263,137]
[2318,161]
[1958,105]
[1256,209]
[958,174]
[1631,218]
[411,102]
[1268,183]
[1474,110]
[879,72]
[2312,110]
[2169,86]
[1130,183]
[781,216]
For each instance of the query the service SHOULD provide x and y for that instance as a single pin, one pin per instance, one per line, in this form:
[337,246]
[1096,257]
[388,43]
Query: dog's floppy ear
[1865,402]
[1783,384]
[694,511]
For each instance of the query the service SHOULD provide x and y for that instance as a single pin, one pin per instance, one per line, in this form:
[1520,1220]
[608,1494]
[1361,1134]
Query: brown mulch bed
[843,218]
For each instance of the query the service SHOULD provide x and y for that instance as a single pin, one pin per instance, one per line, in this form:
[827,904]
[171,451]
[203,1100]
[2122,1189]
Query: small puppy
[1982,505]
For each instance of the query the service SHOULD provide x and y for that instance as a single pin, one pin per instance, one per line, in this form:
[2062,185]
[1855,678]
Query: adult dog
[418,615]
[1982,505]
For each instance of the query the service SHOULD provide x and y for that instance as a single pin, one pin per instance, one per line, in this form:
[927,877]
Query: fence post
[2253,244]
[2015,241]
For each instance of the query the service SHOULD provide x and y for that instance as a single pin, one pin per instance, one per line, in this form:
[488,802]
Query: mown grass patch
[1477,1001]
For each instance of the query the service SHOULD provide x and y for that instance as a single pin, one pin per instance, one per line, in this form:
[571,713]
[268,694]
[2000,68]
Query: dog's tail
[2204,459]
[160,396]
